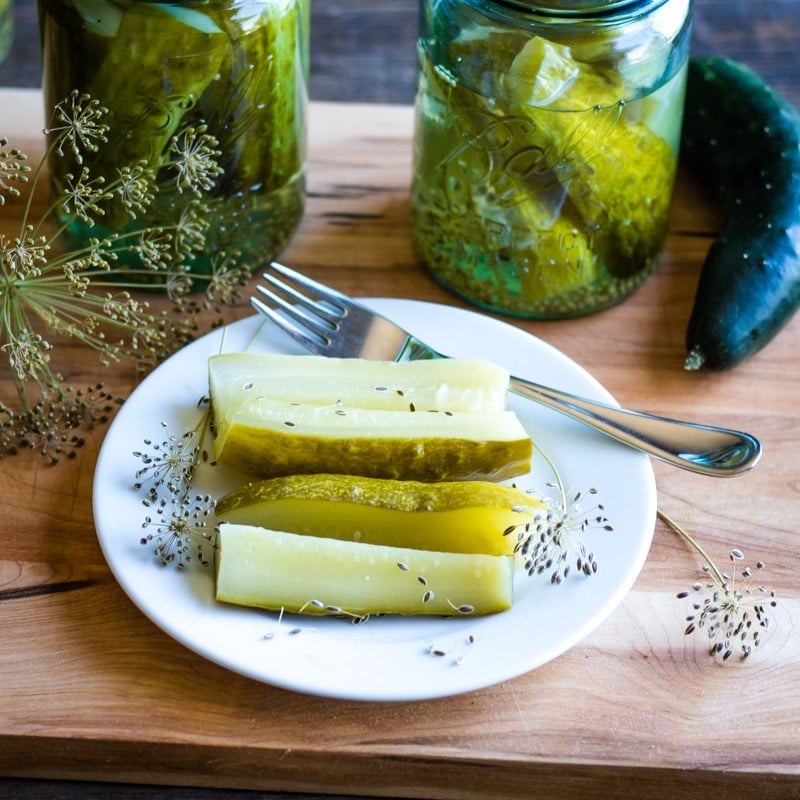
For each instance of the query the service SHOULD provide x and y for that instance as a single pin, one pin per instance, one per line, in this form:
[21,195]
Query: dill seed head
[731,609]
[553,542]
[180,528]
[78,293]
[172,460]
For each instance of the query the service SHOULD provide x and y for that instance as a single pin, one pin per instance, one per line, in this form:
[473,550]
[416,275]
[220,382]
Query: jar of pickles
[204,113]
[545,147]
[6,27]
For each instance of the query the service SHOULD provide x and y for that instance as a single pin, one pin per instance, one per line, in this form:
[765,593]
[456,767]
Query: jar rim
[578,7]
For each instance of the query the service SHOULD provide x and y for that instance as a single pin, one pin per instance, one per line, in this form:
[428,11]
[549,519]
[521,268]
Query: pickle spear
[592,152]
[236,379]
[175,53]
[424,420]
[490,168]
[455,517]
[289,572]
[258,104]
[267,439]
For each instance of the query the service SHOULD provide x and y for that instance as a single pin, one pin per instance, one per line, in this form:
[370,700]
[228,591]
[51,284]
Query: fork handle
[699,448]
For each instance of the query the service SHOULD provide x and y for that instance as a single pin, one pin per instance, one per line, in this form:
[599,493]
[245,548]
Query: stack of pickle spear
[375,485]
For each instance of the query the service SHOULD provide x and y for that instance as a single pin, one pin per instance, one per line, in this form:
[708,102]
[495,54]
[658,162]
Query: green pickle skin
[536,195]
[238,68]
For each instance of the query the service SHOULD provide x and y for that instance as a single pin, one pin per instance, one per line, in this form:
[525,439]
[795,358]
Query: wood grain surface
[96,698]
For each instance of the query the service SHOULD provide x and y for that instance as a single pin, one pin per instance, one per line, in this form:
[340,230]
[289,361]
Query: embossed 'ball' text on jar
[545,148]
[195,93]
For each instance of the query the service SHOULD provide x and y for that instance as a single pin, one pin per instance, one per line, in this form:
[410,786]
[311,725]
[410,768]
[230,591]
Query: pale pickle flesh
[441,384]
[294,573]
[461,517]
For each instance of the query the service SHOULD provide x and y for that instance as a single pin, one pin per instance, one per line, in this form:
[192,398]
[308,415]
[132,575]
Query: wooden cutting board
[93,690]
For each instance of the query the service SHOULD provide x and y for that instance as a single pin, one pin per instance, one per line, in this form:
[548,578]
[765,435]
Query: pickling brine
[546,149]
[6,28]
[205,97]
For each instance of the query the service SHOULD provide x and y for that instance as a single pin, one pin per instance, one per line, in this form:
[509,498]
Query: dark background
[363,50]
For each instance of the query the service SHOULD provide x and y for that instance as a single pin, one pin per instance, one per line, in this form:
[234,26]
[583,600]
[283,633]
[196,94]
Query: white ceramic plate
[383,659]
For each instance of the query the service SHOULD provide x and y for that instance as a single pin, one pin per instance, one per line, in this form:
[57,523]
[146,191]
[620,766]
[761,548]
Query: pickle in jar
[219,84]
[545,152]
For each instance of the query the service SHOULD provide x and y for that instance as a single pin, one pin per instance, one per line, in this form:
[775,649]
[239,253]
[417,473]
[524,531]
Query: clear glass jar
[219,79]
[545,148]
[6,27]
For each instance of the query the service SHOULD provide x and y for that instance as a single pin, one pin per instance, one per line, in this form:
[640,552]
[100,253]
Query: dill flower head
[181,522]
[554,541]
[731,608]
[53,288]
[180,528]
[171,462]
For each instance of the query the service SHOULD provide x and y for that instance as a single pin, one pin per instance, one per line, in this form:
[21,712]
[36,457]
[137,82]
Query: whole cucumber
[744,139]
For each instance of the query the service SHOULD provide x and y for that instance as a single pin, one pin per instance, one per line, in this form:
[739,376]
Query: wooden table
[92,691]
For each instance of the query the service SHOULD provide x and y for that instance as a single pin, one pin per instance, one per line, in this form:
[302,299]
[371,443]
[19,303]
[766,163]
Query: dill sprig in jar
[545,148]
[222,83]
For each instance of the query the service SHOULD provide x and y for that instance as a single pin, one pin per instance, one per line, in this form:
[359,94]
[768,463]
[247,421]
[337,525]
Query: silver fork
[327,322]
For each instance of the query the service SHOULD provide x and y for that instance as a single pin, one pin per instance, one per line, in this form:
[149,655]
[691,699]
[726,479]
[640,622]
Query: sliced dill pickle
[258,104]
[268,439]
[306,574]
[591,150]
[528,225]
[443,384]
[454,517]
[160,60]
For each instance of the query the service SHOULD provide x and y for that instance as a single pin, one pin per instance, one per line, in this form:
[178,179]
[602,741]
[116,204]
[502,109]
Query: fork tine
[302,335]
[331,323]
[304,310]
[305,305]
[308,311]
[331,296]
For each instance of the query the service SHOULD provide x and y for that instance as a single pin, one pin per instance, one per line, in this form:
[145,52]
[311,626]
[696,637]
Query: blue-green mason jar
[545,148]
[6,27]
[183,83]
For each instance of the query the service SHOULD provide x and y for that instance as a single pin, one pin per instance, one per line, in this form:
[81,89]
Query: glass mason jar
[208,96]
[545,147]
[6,27]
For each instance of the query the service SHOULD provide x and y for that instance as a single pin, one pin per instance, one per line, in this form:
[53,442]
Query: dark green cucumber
[744,139]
